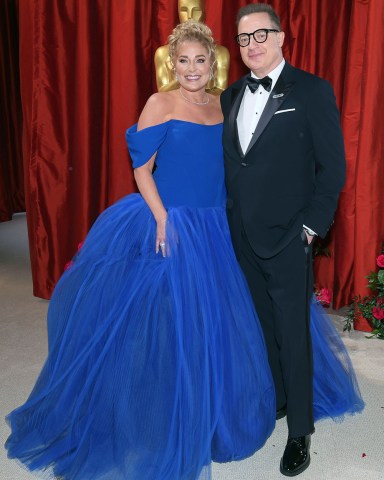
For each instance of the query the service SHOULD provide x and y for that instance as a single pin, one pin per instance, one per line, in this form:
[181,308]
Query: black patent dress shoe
[281,412]
[296,456]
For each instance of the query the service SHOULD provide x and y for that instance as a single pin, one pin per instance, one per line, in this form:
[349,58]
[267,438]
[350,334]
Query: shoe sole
[299,470]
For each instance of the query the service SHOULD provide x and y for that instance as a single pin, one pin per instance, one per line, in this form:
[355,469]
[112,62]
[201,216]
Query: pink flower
[380,261]
[378,313]
[324,296]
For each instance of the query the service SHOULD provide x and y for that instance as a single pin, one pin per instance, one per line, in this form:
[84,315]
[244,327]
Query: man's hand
[309,237]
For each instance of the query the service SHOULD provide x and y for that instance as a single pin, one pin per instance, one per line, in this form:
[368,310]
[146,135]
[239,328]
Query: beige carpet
[352,450]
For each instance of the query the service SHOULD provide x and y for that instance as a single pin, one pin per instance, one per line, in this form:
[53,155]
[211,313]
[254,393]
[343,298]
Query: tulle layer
[156,366]
[335,388]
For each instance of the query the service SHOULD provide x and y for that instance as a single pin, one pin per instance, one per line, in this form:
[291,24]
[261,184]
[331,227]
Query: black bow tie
[253,83]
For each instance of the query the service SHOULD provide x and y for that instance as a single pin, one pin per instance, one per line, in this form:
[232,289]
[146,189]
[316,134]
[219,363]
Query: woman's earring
[176,77]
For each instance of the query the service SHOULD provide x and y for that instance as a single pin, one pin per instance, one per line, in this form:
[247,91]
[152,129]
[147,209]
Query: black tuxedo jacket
[294,167]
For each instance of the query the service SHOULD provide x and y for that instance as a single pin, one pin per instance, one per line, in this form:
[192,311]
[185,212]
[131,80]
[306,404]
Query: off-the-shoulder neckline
[180,121]
[194,123]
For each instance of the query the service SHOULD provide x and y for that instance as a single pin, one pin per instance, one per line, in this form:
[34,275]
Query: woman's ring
[162,244]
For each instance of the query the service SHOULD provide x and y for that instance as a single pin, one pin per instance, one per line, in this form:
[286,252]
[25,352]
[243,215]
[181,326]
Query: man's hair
[259,8]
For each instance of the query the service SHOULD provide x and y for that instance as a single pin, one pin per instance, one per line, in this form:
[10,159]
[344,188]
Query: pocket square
[286,110]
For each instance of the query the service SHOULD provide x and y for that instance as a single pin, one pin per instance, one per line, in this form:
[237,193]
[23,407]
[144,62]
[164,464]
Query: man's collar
[275,73]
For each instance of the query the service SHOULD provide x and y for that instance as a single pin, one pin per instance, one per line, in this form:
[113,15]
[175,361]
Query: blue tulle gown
[157,366]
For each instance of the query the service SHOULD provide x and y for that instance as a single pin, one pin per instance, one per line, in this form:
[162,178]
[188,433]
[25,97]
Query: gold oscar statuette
[165,77]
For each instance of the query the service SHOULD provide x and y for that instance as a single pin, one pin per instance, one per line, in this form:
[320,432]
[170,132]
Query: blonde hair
[192,31]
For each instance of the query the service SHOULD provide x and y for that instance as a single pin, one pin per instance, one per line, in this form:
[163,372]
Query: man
[285,167]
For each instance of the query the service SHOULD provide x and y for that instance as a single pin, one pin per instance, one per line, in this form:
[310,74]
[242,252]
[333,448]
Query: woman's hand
[161,236]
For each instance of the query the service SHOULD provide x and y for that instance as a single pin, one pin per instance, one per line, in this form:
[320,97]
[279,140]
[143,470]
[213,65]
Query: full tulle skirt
[156,366]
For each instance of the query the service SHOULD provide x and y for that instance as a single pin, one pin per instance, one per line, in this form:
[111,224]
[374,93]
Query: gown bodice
[189,161]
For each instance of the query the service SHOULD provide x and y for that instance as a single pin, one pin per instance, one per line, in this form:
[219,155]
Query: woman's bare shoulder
[216,107]
[156,110]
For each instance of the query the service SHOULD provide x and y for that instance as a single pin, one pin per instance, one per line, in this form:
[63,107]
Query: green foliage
[370,307]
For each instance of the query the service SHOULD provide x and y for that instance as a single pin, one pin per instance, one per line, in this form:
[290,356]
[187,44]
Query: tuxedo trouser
[281,288]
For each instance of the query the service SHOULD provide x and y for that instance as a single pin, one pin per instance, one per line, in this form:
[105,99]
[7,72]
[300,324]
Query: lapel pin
[278,95]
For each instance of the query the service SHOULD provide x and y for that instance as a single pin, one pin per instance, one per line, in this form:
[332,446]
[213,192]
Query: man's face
[190,9]
[261,58]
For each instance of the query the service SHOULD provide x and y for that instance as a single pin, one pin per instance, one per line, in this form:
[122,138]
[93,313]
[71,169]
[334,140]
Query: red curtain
[11,160]
[358,232]
[87,70]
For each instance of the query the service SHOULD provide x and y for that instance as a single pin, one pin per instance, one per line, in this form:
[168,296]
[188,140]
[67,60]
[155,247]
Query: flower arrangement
[370,307]
[323,296]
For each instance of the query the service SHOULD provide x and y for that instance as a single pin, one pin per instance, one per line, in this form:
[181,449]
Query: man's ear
[280,38]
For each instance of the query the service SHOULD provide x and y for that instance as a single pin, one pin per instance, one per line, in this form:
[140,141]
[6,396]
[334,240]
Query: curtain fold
[359,224]
[12,198]
[85,80]
[87,69]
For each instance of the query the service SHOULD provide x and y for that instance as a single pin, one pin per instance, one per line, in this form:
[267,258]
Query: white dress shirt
[252,106]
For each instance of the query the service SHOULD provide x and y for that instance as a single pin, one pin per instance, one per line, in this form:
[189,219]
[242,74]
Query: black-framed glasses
[260,36]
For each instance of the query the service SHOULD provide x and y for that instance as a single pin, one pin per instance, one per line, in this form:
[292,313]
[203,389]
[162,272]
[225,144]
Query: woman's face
[192,65]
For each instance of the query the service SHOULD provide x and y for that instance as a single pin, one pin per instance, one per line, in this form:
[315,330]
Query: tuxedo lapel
[236,98]
[278,95]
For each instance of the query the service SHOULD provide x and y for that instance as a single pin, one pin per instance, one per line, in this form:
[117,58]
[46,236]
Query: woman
[157,363]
